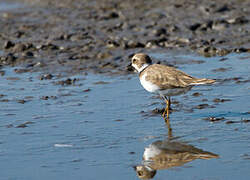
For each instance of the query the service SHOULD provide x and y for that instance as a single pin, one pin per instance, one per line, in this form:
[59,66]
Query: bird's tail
[203,81]
[207,155]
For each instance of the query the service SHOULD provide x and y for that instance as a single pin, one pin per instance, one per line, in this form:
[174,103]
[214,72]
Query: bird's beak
[135,167]
[130,67]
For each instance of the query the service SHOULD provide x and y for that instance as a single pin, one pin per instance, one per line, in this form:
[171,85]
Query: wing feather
[168,77]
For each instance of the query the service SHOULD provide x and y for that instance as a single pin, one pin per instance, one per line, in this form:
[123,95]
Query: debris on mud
[158,111]
[214,119]
[21,101]
[196,94]
[218,100]
[240,121]
[48,97]
[24,125]
[101,82]
[46,77]
[68,81]
[87,90]
[203,106]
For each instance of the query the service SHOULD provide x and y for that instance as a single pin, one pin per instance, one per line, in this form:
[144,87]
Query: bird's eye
[133,60]
[140,173]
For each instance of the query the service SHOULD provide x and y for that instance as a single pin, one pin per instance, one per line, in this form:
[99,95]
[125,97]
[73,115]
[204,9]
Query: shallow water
[102,132]
[4,6]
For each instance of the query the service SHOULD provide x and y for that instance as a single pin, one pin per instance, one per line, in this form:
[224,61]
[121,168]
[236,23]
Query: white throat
[148,167]
[141,68]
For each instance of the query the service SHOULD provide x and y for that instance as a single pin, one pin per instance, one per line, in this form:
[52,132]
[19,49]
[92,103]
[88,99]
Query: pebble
[224,8]
[217,100]
[112,44]
[28,54]
[8,59]
[133,44]
[241,121]
[101,82]
[158,111]
[19,47]
[21,70]
[21,101]
[160,31]
[48,97]
[219,25]
[214,119]
[24,125]
[241,50]
[2,73]
[86,90]
[221,69]
[209,51]
[196,94]
[68,81]
[19,34]
[46,77]
[238,20]
[8,44]
[194,26]
[202,106]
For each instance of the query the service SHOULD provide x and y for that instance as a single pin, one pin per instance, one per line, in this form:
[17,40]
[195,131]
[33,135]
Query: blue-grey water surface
[8,6]
[102,133]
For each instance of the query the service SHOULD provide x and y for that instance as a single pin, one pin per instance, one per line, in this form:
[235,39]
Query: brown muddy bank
[76,36]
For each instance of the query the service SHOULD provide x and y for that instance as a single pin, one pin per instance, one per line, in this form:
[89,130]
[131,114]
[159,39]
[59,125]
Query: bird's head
[140,61]
[144,172]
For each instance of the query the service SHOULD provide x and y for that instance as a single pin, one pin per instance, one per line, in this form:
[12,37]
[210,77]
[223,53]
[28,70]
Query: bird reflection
[167,154]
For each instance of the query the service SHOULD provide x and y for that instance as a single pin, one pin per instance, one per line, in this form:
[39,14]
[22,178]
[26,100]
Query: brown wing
[168,77]
[177,154]
[165,161]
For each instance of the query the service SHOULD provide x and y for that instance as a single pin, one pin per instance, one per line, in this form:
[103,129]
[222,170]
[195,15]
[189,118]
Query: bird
[164,80]
[167,154]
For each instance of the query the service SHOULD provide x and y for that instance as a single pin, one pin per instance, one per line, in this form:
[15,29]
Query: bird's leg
[168,106]
[169,129]
[166,111]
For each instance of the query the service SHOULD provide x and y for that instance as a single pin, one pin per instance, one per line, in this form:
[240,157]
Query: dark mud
[76,36]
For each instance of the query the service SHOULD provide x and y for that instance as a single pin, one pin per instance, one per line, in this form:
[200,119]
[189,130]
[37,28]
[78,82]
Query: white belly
[150,152]
[148,85]
[163,92]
